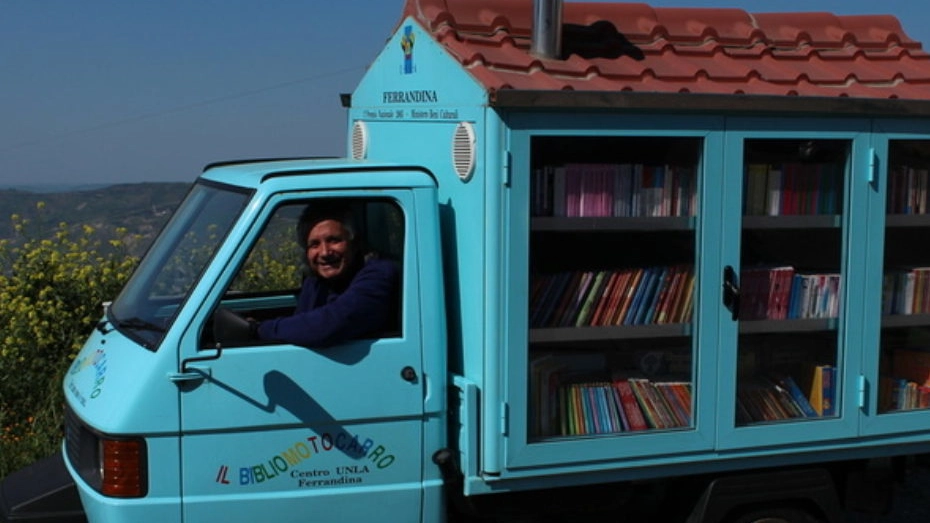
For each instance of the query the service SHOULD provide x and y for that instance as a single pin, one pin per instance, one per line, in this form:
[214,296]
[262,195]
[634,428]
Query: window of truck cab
[268,282]
[149,303]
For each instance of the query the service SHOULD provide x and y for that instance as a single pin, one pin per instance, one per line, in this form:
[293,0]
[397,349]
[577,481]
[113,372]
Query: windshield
[148,304]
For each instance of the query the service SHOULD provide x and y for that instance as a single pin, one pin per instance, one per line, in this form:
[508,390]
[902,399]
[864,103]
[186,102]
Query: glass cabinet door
[786,292]
[612,287]
[790,280]
[904,345]
[612,280]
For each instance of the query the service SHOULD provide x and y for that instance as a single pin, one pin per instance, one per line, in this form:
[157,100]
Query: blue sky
[113,91]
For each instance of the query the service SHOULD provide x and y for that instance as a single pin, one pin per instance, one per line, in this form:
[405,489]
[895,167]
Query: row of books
[906,291]
[908,386]
[792,189]
[909,395]
[778,293]
[609,189]
[633,296]
[624,405]
[774,399]
[907,190]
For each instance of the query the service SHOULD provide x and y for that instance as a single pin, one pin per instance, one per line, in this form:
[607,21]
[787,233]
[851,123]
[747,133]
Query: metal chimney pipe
[547,29]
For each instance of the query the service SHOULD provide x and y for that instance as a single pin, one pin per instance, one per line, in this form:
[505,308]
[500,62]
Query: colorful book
[607,295]
[822,390]
[634,414]
[629,294]
[791,386]
[594,294]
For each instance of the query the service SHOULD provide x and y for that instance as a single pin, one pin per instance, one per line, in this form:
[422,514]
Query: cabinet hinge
[873,165]
[860,389]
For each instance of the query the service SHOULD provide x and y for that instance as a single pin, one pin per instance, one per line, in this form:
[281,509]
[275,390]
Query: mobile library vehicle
[653,255]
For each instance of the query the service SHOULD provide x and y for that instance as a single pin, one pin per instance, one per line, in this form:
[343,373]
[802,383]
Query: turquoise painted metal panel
[411,104]
[321,174]
[296,472]
[463,222]
[470,249]
[104,386]
[280,426]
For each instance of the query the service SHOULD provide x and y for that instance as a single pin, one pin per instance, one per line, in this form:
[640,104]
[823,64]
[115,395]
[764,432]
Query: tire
[775,515]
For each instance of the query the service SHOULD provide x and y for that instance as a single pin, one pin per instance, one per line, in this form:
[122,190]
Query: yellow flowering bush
[51,295]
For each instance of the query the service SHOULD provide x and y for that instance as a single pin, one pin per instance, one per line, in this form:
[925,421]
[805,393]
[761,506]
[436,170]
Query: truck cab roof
[252,173]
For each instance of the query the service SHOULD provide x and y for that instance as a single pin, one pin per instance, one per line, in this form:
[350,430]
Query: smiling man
[349,294]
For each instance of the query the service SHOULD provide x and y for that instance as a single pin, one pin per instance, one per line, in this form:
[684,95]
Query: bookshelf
[610,324]
[904,347]
[791,280]
[612,283]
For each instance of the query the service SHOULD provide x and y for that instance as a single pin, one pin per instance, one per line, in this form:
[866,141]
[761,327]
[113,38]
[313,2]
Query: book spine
[634,413]
[829,390]
[794,391]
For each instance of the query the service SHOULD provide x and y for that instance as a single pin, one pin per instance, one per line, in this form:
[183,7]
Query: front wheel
[775,515]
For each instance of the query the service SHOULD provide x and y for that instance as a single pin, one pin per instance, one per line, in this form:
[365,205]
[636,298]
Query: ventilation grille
[463,151]
[359,140]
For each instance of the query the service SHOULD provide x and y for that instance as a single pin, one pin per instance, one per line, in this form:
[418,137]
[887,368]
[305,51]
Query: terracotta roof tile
[635,47]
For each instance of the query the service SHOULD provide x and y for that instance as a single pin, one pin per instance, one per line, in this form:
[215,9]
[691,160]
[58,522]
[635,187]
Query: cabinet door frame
[873,423]
[604,451]
[789,432]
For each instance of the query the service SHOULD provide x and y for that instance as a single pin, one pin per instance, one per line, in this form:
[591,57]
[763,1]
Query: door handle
[731,291]
[191,373]
[191,370]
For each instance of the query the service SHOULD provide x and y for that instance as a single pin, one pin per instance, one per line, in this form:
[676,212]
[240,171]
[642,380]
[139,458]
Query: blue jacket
[327,316]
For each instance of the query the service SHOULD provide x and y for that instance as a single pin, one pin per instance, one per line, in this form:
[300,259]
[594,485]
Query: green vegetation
[62,255]
[51,292]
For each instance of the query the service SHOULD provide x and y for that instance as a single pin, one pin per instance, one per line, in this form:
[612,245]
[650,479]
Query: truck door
[280,432]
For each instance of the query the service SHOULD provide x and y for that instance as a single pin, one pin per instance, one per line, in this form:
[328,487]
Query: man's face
[328,249]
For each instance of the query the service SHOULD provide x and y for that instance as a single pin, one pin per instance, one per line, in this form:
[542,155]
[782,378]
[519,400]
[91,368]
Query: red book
[678,291]
[669,293]
[627,298]
[616,297]
[604,300]
[646,404]
[634,415]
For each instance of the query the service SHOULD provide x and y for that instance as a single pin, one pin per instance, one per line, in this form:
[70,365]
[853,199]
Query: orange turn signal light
[123,468]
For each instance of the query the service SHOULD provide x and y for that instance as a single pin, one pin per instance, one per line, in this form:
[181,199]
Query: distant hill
[53,187]
[142,208]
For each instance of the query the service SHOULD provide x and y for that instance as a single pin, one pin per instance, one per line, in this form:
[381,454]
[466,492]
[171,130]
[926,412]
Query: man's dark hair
[322,210]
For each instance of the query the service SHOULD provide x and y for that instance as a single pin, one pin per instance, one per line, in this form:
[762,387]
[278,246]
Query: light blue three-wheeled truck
[656,265]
